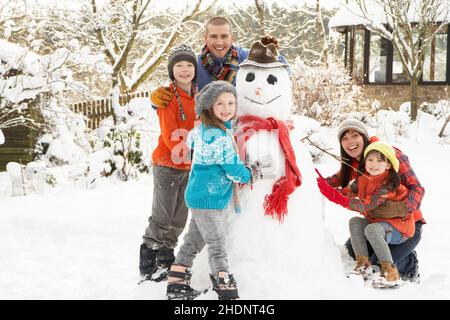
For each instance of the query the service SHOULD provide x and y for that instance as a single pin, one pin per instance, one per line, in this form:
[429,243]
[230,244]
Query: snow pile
[72,231]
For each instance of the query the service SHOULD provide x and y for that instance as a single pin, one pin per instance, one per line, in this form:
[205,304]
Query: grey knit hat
[181,53]
[352,124]
[208,95]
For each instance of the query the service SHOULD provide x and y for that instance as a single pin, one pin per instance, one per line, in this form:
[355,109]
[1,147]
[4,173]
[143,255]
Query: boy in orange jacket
[171,165]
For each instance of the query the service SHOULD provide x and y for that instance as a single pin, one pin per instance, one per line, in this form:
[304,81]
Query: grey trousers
[169,211]
[361,231]
[207,227]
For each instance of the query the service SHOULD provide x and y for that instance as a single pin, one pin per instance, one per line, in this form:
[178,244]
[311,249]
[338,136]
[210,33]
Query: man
[218,60]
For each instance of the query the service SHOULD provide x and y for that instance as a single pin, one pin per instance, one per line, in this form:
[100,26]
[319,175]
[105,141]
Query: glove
[266,166]
[331,193]
[160,97]
[262,168]
[255,171]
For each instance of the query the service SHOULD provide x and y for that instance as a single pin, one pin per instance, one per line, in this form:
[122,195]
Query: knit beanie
[386,150]
[352,124]
[181,53]
[208,95]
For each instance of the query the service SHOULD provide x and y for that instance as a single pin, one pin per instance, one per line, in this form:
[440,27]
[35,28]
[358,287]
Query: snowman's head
[263,84]
[264,92]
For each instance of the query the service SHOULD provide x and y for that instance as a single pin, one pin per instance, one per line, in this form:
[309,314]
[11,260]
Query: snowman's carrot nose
[258,91]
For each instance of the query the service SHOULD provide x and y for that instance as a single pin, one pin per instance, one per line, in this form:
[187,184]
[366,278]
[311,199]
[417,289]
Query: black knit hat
[181,53]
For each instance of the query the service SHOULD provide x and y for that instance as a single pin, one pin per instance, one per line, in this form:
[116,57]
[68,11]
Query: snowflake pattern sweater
[215,166]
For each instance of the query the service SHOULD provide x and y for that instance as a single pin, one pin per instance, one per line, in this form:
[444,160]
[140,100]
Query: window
[399,72]
[435,63]
[348,37]
[358,56]
[378,58]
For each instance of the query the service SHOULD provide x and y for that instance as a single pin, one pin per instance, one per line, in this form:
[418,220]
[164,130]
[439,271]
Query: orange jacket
[370,193]
[172,150]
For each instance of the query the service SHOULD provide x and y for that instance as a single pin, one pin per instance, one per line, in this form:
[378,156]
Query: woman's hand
[331,193]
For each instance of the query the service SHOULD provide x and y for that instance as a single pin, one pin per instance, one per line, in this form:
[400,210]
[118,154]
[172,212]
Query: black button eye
[250,77]
[271,79]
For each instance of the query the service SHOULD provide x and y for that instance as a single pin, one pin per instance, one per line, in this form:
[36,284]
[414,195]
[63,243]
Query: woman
[354,138]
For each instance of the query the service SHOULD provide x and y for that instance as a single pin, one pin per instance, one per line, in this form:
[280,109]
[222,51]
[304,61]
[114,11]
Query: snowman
[276,243]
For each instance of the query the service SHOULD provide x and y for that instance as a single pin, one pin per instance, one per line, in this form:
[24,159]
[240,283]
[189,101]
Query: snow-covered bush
[440,110]
[124,144]
[124,150]
[325,93]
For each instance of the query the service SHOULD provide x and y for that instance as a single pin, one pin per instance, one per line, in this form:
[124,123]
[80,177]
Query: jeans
[403,254]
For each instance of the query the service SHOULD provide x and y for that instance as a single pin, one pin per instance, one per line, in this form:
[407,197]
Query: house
[19,90]
[372,61]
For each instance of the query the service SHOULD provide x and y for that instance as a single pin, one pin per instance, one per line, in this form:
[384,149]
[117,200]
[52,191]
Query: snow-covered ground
[77,243]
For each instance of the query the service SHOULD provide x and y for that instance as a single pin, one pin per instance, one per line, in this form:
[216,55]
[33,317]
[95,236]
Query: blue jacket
[203,76]
[215,166]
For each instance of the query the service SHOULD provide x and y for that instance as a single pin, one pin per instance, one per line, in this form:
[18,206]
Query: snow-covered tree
[125,31]
[301,30]
[411,26]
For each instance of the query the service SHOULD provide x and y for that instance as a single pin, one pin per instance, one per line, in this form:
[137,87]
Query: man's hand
[161,97]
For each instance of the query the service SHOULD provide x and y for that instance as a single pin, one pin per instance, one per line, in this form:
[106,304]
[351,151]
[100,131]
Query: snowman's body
[281,260]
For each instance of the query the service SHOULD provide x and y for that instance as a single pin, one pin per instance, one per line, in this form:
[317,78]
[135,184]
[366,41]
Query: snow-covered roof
[351,15]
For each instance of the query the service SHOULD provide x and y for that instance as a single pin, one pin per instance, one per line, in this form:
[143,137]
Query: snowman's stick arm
[340,159]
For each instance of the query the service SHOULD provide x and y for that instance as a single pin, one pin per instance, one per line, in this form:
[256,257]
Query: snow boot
[225,286]
[363,268]
[147,261]
[179,285]
[414,275]
[164,260]
[389,277]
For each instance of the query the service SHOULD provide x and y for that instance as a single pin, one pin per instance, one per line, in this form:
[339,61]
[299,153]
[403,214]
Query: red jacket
[172,150]
[374,191]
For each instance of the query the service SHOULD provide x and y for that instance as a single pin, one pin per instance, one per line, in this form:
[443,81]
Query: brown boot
[389,271]
[389,276]
[363,267]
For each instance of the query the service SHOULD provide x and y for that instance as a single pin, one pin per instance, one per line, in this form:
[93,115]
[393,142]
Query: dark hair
[218,21]
[394,177]
[346,170]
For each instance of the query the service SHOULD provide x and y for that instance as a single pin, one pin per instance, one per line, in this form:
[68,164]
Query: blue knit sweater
[215,166]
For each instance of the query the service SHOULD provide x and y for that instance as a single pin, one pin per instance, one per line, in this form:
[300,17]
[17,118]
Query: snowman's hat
[263,55]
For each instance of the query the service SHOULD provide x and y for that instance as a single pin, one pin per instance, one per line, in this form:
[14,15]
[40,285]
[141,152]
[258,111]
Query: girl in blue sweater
[216,169]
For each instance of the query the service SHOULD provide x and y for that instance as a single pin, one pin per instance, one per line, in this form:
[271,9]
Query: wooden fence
[97,110]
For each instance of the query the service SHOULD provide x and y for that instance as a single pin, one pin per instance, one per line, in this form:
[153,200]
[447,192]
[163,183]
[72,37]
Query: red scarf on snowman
[275,204]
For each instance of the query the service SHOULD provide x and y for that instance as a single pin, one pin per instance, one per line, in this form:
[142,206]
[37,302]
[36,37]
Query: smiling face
[264,92]
[224,107]
[184,72]
[375,164]
[353,143]
[218,39]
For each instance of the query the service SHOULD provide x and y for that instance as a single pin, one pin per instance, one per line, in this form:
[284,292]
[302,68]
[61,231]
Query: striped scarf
[225,71]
